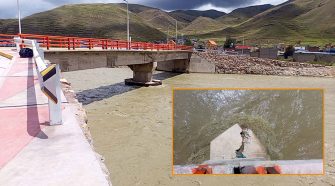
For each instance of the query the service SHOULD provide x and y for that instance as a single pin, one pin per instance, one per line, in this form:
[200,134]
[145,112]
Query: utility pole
[128,40]
[176,31]
[19,15]
[167,36]
[243,46]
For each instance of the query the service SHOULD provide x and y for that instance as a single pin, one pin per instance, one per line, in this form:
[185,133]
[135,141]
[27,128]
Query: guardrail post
[68,43]
[48,43]
[73,44]
[49,80]
[40,50]
[17,44]
[89,44]
[55,109]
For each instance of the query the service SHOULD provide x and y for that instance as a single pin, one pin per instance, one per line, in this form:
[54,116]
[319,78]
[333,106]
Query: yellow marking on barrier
[8,56]
[48,69]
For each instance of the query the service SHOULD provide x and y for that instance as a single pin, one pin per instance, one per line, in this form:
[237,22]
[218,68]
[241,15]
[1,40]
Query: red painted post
[73,44]
[48,43]
[44,38]
[89,44]
[68,43]
[21,45]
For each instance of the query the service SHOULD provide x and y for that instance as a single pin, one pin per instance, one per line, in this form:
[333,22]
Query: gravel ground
[230,64]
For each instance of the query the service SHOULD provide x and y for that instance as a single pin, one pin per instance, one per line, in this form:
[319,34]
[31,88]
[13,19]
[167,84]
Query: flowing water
[287,122]
[132,126]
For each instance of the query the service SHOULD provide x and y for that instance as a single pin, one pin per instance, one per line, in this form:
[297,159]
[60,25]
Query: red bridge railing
[71,43]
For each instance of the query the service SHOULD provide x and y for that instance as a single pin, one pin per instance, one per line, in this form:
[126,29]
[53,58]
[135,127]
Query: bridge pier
[142,75]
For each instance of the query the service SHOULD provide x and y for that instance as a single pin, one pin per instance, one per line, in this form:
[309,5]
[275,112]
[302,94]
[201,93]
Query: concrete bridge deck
[32,152]
[141,62]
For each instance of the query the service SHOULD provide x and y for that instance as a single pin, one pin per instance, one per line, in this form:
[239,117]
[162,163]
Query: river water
[132,126]
[287,122]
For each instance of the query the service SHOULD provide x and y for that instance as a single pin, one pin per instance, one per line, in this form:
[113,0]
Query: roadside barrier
[72,43]
[49,79]
[8,56]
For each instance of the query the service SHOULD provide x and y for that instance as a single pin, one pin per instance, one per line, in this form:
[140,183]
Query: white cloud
[210,6]
[273,2]
[228,10]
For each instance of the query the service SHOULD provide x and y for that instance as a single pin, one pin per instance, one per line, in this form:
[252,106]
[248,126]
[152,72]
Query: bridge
[32,101]
[36,116]
[75,53]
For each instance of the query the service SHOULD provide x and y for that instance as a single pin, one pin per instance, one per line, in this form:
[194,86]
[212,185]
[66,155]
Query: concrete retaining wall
[200,65]
[174,66]
[314,57]
[195,65]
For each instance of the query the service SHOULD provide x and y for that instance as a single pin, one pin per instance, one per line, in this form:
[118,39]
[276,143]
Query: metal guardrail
[72,43]
[289,167]
[49,79]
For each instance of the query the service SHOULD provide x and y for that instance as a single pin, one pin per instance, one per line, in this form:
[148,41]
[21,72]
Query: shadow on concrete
[104,92]
[165,75]
[33,123]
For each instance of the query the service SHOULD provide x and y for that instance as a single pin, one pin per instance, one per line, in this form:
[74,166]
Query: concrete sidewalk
[31,151]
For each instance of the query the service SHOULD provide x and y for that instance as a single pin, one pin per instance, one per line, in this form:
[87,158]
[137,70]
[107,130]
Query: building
[268,53]
[243,49]
[211,45]
[313,48]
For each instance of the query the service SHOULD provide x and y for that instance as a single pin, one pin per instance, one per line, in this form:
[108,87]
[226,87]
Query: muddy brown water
[132,127]
[287,122]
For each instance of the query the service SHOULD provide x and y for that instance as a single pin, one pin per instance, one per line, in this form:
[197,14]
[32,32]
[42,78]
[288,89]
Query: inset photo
[248,131]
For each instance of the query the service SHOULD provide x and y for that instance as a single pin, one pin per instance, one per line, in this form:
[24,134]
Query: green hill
[188,16]
[242,14]
[86,20]
[135,8]
[160,20]
[202,25]
[311,22]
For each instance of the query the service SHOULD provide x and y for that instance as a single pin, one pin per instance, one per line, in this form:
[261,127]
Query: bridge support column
[142,75]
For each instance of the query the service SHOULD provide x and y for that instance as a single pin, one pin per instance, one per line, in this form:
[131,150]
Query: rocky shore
[231,64]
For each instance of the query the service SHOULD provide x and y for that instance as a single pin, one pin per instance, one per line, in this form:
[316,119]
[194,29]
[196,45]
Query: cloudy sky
[8,7]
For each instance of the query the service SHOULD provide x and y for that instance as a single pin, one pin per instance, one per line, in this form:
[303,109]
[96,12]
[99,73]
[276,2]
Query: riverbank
[131,126]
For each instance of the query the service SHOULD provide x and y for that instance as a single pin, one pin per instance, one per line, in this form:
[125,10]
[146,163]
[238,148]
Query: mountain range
[306,21]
